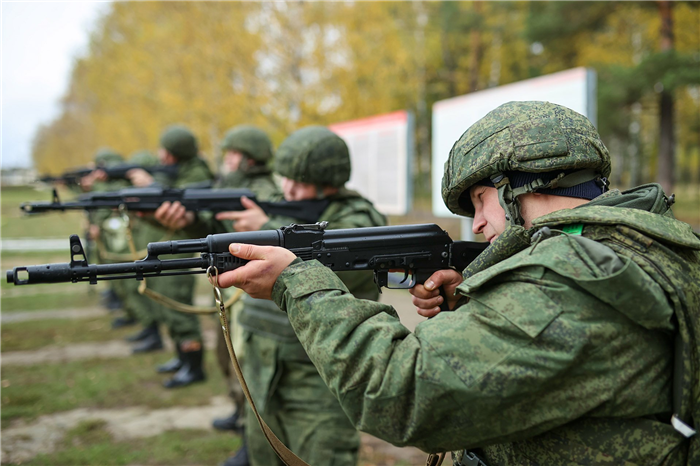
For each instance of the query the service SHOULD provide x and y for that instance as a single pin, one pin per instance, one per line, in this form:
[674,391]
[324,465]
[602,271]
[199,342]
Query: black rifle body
[418,250]
[113,172]
[149,199]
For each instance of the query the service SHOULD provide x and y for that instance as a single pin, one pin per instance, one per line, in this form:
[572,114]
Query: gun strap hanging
[285,454]
[288,457]
[161,298]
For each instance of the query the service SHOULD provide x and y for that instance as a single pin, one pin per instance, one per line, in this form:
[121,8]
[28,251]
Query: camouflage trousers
[136,305]
[298,407]
[181,326]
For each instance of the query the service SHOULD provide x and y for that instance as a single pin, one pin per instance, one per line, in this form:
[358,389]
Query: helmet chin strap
[508,197]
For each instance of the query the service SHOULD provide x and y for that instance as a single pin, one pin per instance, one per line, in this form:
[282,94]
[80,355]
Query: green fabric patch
[575,229]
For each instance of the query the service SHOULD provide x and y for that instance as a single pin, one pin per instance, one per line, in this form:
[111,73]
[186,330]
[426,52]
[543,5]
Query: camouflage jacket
[561,355]
[190,172]
[257,179]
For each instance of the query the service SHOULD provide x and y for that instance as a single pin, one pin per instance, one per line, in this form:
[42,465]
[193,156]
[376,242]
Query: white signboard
[575,89]
[381,148]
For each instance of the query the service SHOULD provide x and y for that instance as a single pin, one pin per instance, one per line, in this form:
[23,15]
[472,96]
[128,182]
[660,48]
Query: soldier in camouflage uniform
[107,230]
[246,152]
[560,346]
[286,387]
[148,312]
[178,147]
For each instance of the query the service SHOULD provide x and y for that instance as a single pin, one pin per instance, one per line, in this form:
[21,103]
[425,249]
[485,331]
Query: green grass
[30,391]
[35,334]
[91,443]
[15,224]
[71,297]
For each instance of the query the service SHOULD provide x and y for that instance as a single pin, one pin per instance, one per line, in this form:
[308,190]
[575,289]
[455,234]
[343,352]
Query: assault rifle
[149,199]
[417,250]
[114,172]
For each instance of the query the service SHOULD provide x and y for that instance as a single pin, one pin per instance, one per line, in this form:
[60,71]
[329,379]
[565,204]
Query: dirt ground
[22,441]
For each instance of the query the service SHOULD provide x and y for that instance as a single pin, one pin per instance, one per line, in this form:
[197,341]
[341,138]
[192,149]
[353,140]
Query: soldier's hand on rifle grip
[173,216]
[259,275]
[139,177]
[100,175]
[250,219]
[427,297]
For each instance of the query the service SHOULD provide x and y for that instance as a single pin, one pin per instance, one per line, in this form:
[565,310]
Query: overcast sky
[39,42]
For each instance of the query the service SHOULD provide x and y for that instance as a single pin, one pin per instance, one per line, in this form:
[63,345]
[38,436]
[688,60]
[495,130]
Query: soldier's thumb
[246,251]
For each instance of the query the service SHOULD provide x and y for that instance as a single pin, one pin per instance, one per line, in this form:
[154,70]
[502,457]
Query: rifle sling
[161,298]
[285,454]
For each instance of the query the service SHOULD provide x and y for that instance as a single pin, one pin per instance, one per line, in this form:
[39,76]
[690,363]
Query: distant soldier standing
[107,231]
[178,146]
[247,150]
[148,312]
[291,396]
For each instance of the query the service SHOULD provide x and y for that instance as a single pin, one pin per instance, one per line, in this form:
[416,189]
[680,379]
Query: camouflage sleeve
[475,376]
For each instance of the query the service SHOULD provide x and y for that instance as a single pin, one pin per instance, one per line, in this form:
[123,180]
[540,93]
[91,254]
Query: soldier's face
[489,216]
[165,157]
[232,160]
[298,191]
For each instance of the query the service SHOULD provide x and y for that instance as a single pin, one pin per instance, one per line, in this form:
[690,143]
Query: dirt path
[55,354]
[24,316]
[23,441]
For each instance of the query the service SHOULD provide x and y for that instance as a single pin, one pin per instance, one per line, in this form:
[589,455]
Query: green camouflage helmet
[106,157]
[144,158]
[179,141]
[249,140]
[314,155]
[530,137]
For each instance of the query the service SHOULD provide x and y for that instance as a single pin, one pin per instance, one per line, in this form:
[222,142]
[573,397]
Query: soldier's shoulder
[574,257]
[348,205]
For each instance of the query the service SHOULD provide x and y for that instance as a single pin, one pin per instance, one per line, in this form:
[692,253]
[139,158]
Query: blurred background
[290,64]
[79,76]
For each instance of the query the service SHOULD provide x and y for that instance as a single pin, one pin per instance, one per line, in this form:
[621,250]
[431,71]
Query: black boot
[239,459]
[228,423]
[173,365]
[144,333]
[120,322]
[190,372]
[150,343]
[110,300]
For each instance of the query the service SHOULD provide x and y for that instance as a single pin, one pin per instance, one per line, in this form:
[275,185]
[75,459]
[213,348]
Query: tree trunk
[476,51]
[666,164]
